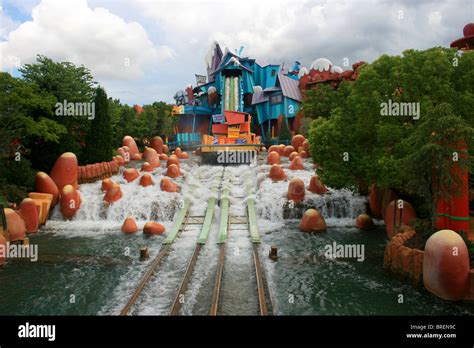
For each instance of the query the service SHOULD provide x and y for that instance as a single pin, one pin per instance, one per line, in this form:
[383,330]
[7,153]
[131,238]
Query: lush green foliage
[356,146]
[155,119]
[61,81]
[32,136]
[284,132]
[99,140]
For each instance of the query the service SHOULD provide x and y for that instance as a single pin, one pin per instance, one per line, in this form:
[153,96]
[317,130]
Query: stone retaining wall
[97,171]
[403,260]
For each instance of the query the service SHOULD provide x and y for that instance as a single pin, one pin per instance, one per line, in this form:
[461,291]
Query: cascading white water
[103,276]
[143,203]
[339,207]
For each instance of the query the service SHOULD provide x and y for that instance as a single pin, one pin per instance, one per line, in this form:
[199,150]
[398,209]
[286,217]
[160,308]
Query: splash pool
[88,267]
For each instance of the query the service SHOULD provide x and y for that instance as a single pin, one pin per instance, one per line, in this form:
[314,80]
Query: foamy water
[319,285]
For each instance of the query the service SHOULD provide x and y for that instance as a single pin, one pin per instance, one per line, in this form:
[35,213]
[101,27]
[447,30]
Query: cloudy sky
[145,50]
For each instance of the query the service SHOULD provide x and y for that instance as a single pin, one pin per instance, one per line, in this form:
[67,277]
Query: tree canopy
[32,135]
[356,146]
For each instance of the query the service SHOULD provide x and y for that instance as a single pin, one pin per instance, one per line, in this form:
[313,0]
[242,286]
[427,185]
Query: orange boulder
[273,158]
[316,185]
[16,228]
[184,155]
[136,157]
[173,171]
[107,184]
[168,185]
[146,180]
[297,141]
[274,148]
[163,157]
[70,201]
[65,170]
[129,225]
[29,213]
[120,160]
[281,149]
[446,265]
[375,201]
[178,152]
[157,144]
[277,173]
[303,154]
[165,149]
[296,164]
[146,167]
[113,194]
[293,155]
[124,154]
[296,190]
[173,159]
[130,174]
[150,156]
[312,221]
[152,228]
[3,244]
[388,196]
[131,144]
[288,150]
[364,222]
[44,184]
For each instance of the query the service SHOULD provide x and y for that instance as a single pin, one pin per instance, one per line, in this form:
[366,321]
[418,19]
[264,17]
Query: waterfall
[339,207]
[143,203]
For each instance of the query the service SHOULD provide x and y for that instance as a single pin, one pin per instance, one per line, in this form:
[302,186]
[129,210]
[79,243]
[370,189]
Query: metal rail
[178,227]
[264,300]
[202,239]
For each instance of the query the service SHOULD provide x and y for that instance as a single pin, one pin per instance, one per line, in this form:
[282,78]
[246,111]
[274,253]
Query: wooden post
[144,255]
[273,254]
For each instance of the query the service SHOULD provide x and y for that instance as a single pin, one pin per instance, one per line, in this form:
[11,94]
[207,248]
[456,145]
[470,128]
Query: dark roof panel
[290,87]
[259,97]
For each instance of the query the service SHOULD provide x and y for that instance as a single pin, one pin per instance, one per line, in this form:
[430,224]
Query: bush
[17,173]
[284,133]
[356,145]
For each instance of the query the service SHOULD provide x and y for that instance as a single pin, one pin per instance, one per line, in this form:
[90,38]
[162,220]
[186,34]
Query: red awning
[219,129]
[234,117]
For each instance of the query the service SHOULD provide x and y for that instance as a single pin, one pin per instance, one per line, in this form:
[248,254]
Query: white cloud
[277,30]
[272,30]
[7,25]
[434,18]
[71,30]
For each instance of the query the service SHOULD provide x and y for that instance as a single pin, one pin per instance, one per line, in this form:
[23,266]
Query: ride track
[220,187]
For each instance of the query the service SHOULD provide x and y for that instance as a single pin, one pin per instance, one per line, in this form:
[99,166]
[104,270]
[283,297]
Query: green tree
[357,146]
[66,82]
[320,101]
[115,111]
[165,122]
[99,141]
[284,133]
[24,108]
